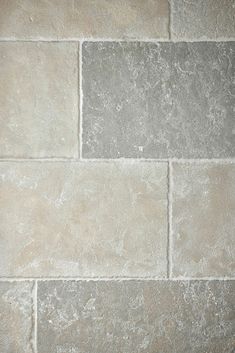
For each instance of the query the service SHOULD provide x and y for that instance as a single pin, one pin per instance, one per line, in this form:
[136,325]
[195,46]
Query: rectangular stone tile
[136,316]
[203,220]
[83,219]
[74,19]
[202,19]
[158,100]
[16,317]
[38,99]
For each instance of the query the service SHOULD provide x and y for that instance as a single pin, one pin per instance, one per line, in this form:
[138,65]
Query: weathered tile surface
[69,219]
[203,19]
[16,317]
[38,99]
[136,316]
[203,219]
[66,19]
[158,100]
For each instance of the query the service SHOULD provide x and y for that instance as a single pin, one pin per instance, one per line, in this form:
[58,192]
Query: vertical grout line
[80,99]
[36,317]
[169,239]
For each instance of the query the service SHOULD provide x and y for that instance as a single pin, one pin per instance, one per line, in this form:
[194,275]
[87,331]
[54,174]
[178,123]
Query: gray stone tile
[158,100]
[38,99]
[202,19]
[203,220]
[74,19]
[16,317]
[83,219]
[136,316]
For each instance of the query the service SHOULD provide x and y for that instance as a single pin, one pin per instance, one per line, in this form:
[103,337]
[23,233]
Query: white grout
[114,278]
[80,99]
[36,316]
[170,201]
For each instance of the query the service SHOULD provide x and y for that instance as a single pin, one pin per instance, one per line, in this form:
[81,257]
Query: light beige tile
[203,219]
[74,19]
[38,99]
[83,219]
[16,317]
[136,317]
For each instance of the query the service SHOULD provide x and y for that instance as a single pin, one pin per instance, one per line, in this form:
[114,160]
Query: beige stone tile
[74,19]
[16,317]
[136,317]
[83,219]
[38,99]
[203,19]
[203,219]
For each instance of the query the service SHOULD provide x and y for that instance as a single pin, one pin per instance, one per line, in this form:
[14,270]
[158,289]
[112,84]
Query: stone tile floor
[117,176]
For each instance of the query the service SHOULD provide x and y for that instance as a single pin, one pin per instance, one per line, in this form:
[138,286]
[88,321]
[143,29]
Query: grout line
[114,278]
[80,99]
[170,204]
[36,317]
[118,40]
[118,160]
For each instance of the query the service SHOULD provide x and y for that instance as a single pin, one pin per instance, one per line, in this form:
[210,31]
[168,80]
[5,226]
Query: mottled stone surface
[16,317]
[203,19]
[158,100]
[38,99]
[203,220]
[75,219]
[136,316]
[74,19]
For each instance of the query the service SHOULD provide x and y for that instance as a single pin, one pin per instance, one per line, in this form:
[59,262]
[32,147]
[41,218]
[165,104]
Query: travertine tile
[203,19]
[38,99]
[136,316]
[83,219]
[158,100]
[74,19]
[16,317]
[203,220]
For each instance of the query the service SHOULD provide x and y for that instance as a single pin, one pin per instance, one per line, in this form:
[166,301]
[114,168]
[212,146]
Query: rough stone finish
[16,317]
[136,316]
[75,19]
[158,100]
[38,99]
[203,19]
[83,219]
[203,220]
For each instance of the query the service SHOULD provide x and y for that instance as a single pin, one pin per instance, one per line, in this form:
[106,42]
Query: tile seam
[119,40]
[80,99]
[36,317]
[170,202]
[169,19]
[119,160]
[173,279]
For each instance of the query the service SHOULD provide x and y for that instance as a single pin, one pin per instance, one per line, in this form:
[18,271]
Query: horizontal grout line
[174,279]
[120,160]
[117,40]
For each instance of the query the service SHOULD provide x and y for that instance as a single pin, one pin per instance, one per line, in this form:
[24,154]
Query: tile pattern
[38,100]
[136,316]
[83,219]
[76,19]
[158,100]
[203,220]
[202,19]
[16,317]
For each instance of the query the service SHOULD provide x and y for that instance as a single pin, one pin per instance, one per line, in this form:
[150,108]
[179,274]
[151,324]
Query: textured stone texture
[66,19]
[158,100]
[75,219]
[136,316]
[203,219]
[203,19]
[38,99]
[16,317]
